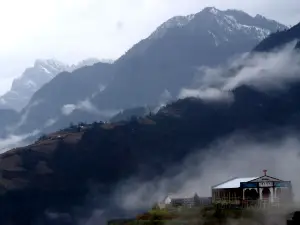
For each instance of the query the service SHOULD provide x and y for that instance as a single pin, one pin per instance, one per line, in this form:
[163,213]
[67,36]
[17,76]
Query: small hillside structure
[184,201]
[252,190]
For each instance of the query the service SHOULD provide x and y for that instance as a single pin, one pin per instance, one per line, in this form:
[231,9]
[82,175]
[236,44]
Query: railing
[264,203]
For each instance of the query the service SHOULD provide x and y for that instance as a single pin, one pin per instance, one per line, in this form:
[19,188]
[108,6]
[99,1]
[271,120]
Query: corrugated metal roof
[234,183]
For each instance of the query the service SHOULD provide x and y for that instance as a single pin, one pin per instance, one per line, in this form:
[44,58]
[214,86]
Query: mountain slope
[279,39]
[7,117]
[175,50]
[34,78]
[65,90]
[163,63]
[36,179]
[30,81]
[37,185]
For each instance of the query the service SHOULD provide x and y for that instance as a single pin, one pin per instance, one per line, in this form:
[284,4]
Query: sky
[71,30]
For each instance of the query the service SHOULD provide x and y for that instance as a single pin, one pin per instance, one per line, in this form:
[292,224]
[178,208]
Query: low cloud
[165,97]
[88,106]
[208,94]
[50,122]
[268,70]
[23,118]
[156,109]
[85,105]
[14,141]
[101,88]
[68,109]
[240,155]
[263,71]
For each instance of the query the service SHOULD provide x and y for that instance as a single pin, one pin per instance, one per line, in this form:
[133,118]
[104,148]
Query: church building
[252,191]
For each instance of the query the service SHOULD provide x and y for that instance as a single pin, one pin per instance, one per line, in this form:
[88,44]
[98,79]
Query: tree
[42,137]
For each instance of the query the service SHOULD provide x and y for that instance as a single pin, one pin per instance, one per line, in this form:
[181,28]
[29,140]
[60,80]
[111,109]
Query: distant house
[184,201]
[264,189]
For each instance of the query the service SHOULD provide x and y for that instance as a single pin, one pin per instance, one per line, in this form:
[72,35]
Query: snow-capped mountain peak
[221,23]
[50,66]
[86,62]
[212,10]
[33,78]
[177,21]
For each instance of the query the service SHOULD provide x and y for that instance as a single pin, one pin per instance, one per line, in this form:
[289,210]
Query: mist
[239,155]
[15,141]
[264,71]
[89,107]
[23,119]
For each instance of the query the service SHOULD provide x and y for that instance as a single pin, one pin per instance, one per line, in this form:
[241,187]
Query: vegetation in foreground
[196,216]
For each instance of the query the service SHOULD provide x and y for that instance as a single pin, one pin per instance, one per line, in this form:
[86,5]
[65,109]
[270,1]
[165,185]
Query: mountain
[169,58]
[63,172]
[66,92]
[7,117]
[154,70]
[34,78]
[174,52]
[210,28]
[29,82]
[279,39]
[128,114]
[70,175]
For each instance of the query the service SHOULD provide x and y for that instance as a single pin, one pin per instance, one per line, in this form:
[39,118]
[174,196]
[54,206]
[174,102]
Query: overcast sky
[71,30]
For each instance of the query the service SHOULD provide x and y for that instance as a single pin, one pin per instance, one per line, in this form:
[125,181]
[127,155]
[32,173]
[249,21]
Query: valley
[204,97]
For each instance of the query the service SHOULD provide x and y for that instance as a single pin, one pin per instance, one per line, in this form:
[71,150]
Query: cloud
[85,105]
[239,155]
[14,141]
[64,30]
[209,94]
[50,122]
[159,107]
[101,88]
[268,70]
[263,71]
[68,109]
[165,96]
[88,106]
[23,118]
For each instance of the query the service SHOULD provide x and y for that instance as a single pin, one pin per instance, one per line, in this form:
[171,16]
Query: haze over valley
[201,97]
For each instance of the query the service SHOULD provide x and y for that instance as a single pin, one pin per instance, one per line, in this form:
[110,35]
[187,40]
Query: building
[184,201]
[252,191]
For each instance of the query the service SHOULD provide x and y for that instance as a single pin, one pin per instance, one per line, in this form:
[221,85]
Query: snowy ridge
[177,21]
[230,24]
[228,21]
[34,78]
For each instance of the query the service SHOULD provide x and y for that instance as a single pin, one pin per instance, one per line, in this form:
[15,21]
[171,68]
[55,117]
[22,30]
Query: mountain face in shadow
[34,78]
[168,59]
[66,175]
[64,93]
[130,113]
[279,39]
[165,62]
[7,117]
[59,172]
